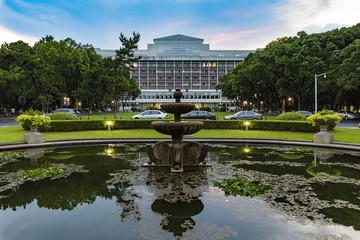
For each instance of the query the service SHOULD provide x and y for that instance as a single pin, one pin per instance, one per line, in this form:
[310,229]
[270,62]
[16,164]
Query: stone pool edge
[211,140]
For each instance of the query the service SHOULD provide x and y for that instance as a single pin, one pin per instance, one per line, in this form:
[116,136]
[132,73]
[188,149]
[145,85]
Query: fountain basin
[177,107]
[177,129]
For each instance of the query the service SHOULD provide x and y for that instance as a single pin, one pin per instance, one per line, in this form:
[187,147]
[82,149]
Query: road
[343,124]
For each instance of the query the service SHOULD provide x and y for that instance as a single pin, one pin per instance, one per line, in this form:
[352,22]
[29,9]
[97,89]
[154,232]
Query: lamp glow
[109,124]
[246,125]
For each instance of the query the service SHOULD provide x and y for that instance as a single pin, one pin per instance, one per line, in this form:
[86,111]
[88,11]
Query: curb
[87,141]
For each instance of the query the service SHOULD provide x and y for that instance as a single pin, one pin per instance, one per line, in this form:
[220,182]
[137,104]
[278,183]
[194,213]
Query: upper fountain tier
[179,108]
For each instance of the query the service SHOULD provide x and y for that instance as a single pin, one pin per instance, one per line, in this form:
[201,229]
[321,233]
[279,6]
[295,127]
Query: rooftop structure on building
[183,62]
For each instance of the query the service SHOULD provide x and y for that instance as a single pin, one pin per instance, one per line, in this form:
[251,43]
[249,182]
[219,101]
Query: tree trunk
[299,102]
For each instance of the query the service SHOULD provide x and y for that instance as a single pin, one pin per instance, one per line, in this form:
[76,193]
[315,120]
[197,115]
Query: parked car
[199,115]
[151,114]
[347,115]
[108,109]
[306,113]
[244,115]
[67,110]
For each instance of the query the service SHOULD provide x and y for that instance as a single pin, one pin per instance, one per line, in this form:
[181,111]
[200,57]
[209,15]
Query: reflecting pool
[106,193]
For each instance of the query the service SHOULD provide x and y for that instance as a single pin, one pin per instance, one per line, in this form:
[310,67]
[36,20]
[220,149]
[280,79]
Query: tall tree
[123,62]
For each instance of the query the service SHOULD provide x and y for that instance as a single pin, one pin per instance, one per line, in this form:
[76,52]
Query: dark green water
[315,194]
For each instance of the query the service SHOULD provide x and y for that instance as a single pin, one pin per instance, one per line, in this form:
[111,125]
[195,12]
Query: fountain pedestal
[177,155]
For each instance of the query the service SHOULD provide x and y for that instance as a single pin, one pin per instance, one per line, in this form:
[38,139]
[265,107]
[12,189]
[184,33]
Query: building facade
[182,62]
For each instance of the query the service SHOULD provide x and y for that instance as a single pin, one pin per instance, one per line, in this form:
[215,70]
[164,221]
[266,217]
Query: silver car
[347,115]
[244,115]
[151,114]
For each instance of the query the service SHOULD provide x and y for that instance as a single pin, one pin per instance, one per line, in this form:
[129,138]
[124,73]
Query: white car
[151,114]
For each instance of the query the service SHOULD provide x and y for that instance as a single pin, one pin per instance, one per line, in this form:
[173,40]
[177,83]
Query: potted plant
[324,118]
[327,120]
[32,119]
[32,122]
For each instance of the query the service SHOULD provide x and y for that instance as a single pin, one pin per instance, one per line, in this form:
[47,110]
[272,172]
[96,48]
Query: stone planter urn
[324,136]
[33,137]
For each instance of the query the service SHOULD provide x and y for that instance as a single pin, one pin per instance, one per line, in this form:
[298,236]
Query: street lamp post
[317,75]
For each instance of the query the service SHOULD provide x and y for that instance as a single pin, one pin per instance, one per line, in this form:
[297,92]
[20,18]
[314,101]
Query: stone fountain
[177,155]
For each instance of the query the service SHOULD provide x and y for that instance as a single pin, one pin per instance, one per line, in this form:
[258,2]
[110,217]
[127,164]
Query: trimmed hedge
[63,116]
[291,116]
[83,125]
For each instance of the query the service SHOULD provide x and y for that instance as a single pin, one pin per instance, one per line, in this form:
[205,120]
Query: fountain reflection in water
[177,155]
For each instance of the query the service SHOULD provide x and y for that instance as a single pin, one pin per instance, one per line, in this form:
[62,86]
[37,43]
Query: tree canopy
[286,68]
[51,70]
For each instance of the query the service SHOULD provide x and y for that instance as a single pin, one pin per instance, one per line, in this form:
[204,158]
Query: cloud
[231,36]
[9,36]
[317,15]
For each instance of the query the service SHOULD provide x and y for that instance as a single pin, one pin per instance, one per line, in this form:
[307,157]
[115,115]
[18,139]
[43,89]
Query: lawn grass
[12,134]
[16,134]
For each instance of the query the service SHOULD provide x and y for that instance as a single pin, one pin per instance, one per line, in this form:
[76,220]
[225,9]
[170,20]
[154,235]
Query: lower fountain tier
[177,129]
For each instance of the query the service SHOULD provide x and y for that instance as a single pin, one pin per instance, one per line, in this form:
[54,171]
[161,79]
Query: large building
[183,62]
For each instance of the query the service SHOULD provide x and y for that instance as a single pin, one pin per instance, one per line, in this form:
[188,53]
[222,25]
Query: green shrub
[205,109]
[296,126]
[223,109]
[63,116]
[84,125]
[291,116]
[153,108]
[134,109]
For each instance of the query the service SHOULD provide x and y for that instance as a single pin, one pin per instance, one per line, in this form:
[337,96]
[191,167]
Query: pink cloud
[219,38]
